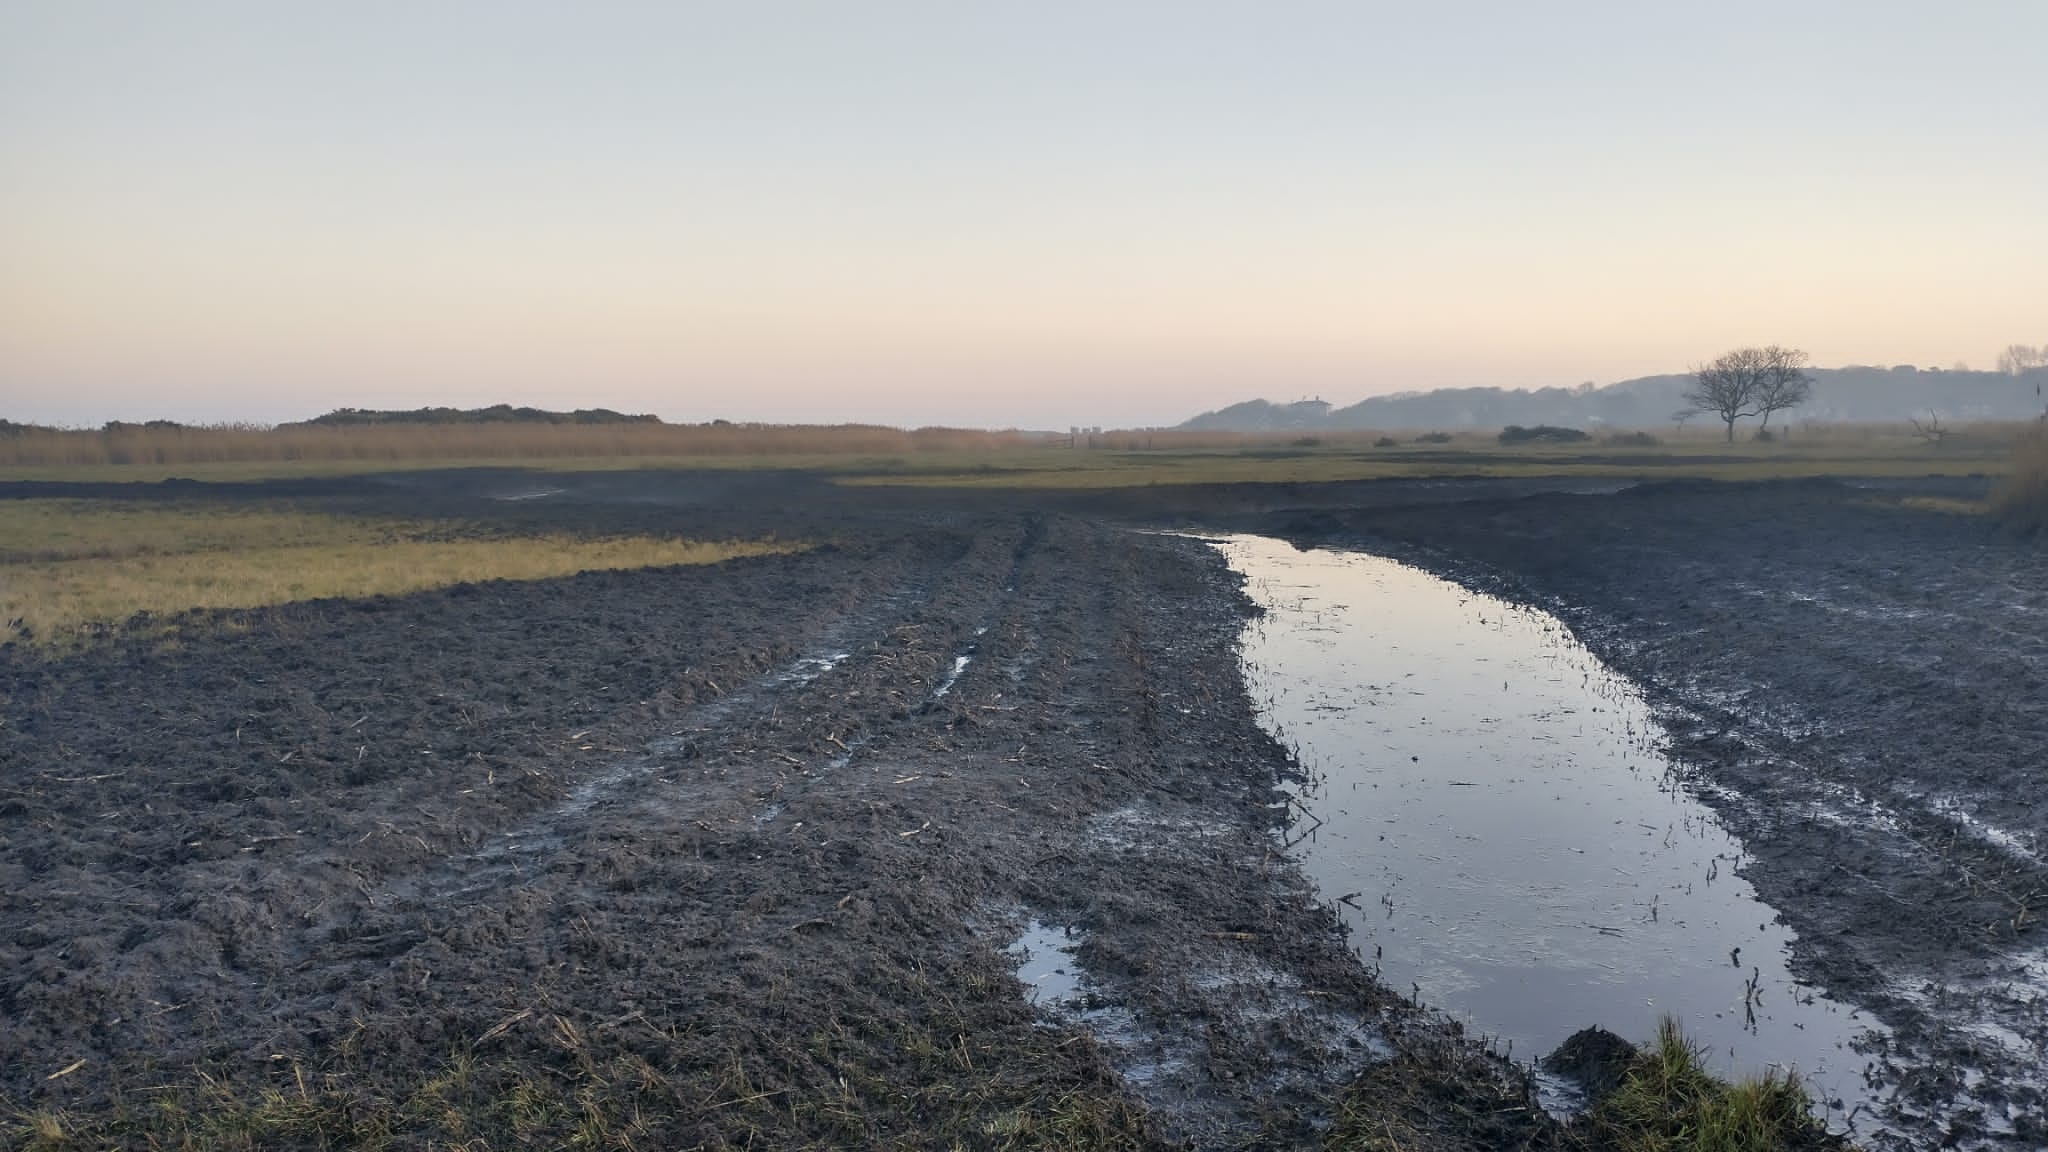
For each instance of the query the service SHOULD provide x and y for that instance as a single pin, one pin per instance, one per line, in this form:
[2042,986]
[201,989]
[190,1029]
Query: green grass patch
[1670,1102]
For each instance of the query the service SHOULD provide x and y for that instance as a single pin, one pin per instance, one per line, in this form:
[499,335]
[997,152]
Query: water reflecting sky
[1492,799]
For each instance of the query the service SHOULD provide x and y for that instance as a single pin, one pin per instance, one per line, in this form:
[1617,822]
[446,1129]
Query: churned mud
[956,830]
[1859,686]
[754,854]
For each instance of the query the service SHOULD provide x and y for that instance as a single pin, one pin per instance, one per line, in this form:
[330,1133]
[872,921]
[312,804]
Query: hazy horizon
[997,217]
[1336,401]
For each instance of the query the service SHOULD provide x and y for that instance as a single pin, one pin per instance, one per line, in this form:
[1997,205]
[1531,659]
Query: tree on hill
[495,414]
[1784,384]
[1751,382]
[2023,360]
[2020,359]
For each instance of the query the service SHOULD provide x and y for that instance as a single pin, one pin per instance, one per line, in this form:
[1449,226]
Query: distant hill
[1840,395]
[495,414]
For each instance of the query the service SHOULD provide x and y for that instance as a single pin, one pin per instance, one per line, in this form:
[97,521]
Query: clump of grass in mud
[2021,499]
[71,568]
[1663,1100]
[1669,1102]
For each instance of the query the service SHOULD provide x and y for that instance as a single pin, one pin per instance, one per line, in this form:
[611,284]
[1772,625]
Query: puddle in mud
[1162,1060]
[1045,963]
[1490,809]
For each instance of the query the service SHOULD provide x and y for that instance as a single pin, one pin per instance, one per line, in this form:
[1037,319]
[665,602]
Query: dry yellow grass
[142,446]
[70,567]
[2022,498]
[1874,454]
[968,458]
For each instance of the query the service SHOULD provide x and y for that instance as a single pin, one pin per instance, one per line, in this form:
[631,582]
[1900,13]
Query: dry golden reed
[2021,499]
[227,443]
[69,568]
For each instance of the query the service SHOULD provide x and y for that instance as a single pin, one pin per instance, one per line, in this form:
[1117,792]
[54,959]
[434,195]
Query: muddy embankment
[696,857]
[1859,685]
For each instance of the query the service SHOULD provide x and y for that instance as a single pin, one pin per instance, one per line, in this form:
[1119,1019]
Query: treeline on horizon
[1858,394]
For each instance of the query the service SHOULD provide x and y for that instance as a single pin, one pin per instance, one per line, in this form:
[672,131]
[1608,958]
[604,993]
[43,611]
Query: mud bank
[1859,686]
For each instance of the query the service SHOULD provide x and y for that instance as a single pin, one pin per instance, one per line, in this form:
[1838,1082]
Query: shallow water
[1490,810]
[1045,963]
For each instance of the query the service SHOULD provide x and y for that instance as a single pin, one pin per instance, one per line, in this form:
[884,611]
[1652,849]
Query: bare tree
[1751,382]
[1932,432]
[1728,386]
[2020,359]
[1782,382]
[2025,360]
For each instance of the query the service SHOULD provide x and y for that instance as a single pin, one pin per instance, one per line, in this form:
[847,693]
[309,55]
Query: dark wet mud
[754,855]
[728,856]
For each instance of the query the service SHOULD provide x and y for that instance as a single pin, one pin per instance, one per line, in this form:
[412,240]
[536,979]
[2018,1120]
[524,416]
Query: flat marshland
[652,806]
[947,457]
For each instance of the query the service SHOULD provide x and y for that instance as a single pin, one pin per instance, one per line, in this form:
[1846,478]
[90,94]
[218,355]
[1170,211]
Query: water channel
[1489,809]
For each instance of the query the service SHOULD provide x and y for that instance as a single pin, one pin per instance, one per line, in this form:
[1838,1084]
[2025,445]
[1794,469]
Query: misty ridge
[1855,394]
[495,414]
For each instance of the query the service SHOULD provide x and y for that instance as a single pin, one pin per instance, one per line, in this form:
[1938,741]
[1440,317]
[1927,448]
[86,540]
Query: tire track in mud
[518,851]
[902,802]
[697,791]
[261,944]
[638,795]
[1204,1019]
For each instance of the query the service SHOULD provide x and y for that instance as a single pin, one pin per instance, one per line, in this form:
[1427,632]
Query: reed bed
[2021,499]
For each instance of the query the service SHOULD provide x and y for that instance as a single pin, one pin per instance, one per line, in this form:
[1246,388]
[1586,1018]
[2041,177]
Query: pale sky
[1035,214]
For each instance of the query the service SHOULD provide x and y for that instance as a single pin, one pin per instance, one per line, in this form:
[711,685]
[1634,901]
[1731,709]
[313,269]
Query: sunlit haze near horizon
[994,214]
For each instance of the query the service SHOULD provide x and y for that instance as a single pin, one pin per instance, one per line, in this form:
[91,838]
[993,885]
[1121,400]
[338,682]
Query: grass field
[153,452]
[950,458]
[70,568]
[1869,452]
[1131,472]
